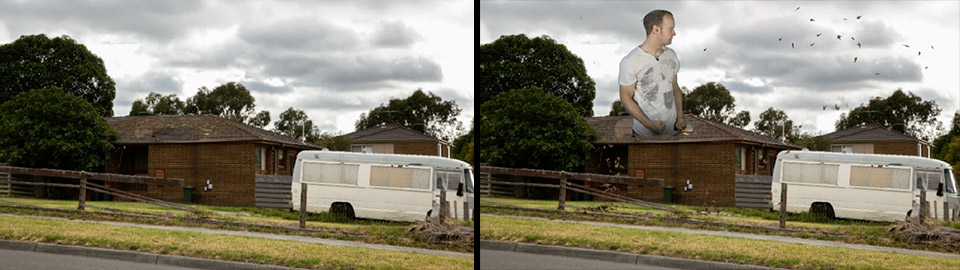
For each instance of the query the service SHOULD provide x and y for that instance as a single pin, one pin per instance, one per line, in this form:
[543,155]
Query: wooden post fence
[83,190]
[303,205]
[443,204]
[563,190]
[923,203]
[466,211]
[783,205]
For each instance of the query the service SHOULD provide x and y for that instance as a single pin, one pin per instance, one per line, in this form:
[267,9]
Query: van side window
[949,180]
[440,180]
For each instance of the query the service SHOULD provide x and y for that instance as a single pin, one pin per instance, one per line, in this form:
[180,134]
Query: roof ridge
[727,128]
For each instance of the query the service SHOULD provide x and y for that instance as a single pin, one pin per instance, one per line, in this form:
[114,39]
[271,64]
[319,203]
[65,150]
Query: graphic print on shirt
[648,85]
[668,99]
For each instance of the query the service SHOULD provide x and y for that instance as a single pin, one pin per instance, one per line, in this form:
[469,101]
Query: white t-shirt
[652,80]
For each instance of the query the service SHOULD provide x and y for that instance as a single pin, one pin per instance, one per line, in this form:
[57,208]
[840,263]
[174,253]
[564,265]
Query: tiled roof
[165,129]
[389,133]
[869,133]
[618,130]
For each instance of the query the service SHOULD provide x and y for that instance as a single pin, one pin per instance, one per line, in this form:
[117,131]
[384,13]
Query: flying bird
[905,45]
[791,45]
[824,107]
[780,39]
[931,47]
[844,19]
[818,34]
[851,38]
[811,19]
[854,59]
[858,45]
[926,67]
[918,53]
[836,107]
[811,44]
[704,49]
[838,37]
[858,16]
[876,73]
[798,8]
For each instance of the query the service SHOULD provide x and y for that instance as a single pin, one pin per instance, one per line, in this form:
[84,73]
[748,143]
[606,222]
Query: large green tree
[158,104]
[35,62]
[917,115]
[714,102]
[775,123]
[947,146]
[50,128]
[333,142]
[463,146]
[438,116]
[295,123]
[516,62]
[530,128]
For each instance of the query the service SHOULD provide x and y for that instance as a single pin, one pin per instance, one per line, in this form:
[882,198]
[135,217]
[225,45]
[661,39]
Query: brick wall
[896,148]
[228,166]
[709,167]
[415,148]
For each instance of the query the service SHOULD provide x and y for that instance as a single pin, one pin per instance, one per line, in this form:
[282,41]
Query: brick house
[873,139]
[200,148]
[713,157]
[393,139]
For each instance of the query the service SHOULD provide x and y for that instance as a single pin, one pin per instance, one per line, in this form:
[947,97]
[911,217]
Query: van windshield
[469,179]
[951,182]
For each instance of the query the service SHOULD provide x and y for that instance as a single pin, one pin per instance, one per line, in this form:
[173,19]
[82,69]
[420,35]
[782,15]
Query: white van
[381,186]
[862,186]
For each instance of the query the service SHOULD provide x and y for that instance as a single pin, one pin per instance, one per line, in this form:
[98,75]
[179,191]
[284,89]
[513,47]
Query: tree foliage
[617,108]
[437,115]
[50,128]
[158,104]
[295,123]
[530,128]
[517,62]
[261,120]
[333,142]
[36,62]
[463,147]
[714,102]
[231,100]
[775,123]
[917,115]
[814,143]
[947,146]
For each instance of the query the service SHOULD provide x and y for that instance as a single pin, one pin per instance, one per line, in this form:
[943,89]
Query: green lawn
[701,247]
[234,248]
[334,226]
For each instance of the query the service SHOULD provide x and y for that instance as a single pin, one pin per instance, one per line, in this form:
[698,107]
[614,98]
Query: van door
[449,181]
[931,180]
[951,193]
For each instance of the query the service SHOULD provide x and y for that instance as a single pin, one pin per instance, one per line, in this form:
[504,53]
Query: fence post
[563,190]
[443,204]
[466,211]
[923,203]
[946,212]
[303,205]
[783,205]
[83,190]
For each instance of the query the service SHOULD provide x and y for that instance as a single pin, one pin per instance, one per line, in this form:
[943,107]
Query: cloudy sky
[743,52]
[332,59]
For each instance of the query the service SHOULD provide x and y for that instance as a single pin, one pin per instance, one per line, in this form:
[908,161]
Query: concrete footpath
[812,242]
[304,239]
[132,256]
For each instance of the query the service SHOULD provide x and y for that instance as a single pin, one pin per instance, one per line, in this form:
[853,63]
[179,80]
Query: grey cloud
[157,20]
[739,87]
[299,34]
[395,34]
[360,72]
[261,87]
[158,82]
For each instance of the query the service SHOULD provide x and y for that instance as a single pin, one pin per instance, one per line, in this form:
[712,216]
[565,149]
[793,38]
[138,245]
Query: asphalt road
[15,259]
[496,259]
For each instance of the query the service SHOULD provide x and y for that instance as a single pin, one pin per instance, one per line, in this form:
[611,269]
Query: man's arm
[626,99]
[678,100]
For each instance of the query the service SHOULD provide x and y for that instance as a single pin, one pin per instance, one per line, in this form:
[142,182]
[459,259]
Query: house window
[261,158]
[842,149]
[741,158]
[762,158]
[362,149]
[280,159]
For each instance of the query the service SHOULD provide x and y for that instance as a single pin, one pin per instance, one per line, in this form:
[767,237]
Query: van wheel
[823,209]
[343,209]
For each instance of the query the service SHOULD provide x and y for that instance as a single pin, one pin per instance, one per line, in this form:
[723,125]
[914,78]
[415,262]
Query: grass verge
[701,247]
[221,247]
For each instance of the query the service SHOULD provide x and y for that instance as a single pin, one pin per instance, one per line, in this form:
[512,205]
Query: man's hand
[680,125]
[655,126]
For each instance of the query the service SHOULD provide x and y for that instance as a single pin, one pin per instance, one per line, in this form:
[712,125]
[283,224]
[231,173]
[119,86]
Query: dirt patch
[435,232]
[926,233]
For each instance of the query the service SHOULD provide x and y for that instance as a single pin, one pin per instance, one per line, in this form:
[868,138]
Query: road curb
[613,256]
[132,256]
